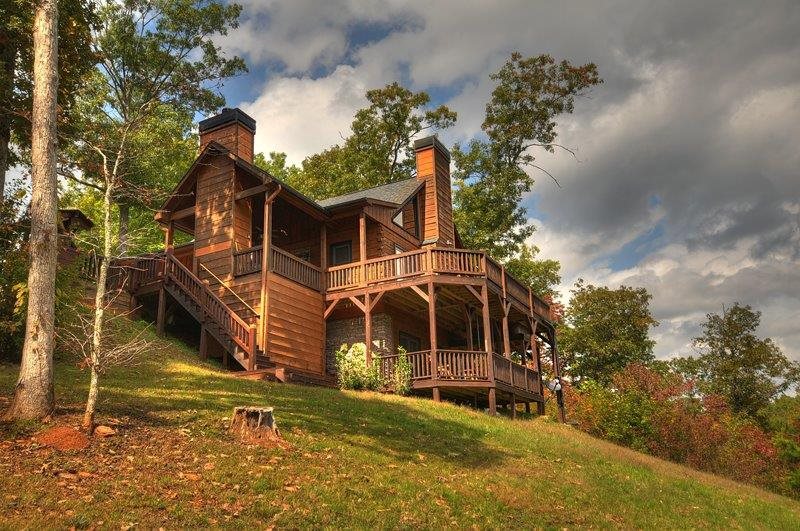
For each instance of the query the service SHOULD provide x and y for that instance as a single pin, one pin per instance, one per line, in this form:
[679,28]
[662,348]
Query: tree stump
[254,424]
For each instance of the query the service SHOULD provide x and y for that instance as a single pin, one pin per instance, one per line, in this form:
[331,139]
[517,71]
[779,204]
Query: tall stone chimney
[232,128]
[433,168]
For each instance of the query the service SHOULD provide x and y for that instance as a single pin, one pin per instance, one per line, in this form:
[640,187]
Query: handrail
[297,259]
[244,331]
[228,288]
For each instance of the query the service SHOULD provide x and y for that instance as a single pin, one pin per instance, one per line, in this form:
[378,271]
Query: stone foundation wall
[352,331]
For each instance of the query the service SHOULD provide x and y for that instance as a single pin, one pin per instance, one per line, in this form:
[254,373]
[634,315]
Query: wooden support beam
[169,235]
[182,213]
[358,303]
[330,308]
[432,329]
[528,407]
[244,194]
[368,327]
[161,312]
[562,414]
[375,298]
[487,325]
[266,248]
[474,292]
[203,343]
[362,246]
[225,358]
[506,336]
[492,401]
[513,406]
[468,321]
[437,397]
[421,293]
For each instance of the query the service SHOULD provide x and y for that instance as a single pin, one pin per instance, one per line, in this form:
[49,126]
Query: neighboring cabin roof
[396,192]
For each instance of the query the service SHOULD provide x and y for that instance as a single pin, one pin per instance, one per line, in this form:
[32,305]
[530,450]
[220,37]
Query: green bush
[353,370]
[401,378]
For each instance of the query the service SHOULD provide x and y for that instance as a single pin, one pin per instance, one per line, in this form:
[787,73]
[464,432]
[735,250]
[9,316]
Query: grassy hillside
[354,460]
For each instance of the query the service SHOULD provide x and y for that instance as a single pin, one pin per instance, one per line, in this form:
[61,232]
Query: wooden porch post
[162,311]
[513,406]
[362,245]
[266,250]
[506,338]
[437,397]
[432,330]
[368,326]
[562,414]
[537,360]
[169,235]
[468,320]
[203,343]
[323,265]
[487,346]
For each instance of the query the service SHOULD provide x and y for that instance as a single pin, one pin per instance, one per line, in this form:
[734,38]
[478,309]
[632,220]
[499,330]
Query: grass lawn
[353,460]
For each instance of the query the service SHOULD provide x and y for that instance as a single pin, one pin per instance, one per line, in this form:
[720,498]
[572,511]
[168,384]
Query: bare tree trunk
[34,394]
[99,305]
[124,219]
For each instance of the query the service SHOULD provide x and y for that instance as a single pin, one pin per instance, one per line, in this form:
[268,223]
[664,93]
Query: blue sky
[686,176]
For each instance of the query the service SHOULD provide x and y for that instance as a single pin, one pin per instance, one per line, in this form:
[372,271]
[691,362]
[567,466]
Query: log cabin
[274,282]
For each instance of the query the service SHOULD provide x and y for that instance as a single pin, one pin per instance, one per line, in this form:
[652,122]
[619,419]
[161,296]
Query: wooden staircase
[235,335]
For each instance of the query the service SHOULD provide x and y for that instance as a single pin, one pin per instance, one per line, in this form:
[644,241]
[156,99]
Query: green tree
[156,58]
[491,176]
[543,276]
[75,22]
[750,372]
[277,166]
[606,329]
[379,149]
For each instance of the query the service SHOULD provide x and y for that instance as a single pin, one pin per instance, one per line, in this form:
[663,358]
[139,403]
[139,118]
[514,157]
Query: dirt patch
[62,438]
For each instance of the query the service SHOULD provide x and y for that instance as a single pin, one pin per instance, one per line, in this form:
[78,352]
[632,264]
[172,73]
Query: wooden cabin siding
[295,325]
[213,218]
[248,288]
[242,225]
[434,169]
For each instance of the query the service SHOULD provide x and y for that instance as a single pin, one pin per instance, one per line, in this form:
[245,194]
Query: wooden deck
[467,369]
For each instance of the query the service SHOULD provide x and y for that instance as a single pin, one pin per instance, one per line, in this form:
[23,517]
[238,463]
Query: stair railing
[243,334]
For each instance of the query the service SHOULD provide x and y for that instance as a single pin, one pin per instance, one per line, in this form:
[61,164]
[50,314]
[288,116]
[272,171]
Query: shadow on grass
[184,391]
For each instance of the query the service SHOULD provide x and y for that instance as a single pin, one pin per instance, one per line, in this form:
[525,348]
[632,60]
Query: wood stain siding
[214,219]
[295,325]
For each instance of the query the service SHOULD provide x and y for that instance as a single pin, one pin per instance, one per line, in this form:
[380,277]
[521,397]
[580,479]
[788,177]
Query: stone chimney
[233,129]
[433,168]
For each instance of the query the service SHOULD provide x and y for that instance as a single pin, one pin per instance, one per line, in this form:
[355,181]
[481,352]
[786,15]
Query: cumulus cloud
[687,175]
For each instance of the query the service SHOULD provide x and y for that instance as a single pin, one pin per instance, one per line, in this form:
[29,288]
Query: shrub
[401,378]
[658,413]
[353,370]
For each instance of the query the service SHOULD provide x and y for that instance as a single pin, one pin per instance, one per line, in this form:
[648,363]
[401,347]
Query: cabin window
[341,253]
[409,342]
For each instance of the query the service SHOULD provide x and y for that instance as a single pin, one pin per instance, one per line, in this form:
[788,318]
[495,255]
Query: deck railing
[247,261]
[464,366]
[294,268]
[281,262]
[438,261]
